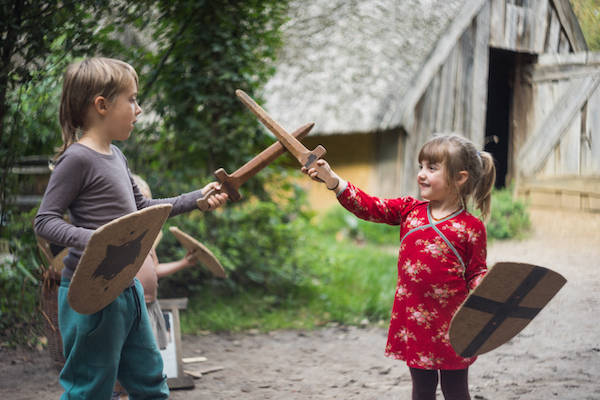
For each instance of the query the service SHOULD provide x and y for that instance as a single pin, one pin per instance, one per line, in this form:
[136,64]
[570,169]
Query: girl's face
[432,181]
[122,113]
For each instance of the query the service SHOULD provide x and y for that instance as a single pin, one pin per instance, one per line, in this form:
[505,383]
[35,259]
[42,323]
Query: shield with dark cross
[506,300]
[113,256]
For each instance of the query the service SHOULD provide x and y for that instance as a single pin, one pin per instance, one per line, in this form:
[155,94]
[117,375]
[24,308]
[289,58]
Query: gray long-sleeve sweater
[95,189]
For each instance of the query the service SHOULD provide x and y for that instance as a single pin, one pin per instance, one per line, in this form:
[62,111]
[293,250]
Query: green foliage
[345,284]
[588,14]
[339,221]
[20,279]
[258,243]
[205,50]
[32,31]
[509,217]
[190,56]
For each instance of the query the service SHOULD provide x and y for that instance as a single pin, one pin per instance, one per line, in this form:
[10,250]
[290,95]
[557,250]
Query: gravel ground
[557,356]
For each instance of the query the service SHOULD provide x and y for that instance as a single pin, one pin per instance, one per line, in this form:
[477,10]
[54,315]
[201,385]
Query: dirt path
[557,356]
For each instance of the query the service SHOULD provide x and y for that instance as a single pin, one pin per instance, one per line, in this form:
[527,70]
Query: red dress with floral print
[439,263]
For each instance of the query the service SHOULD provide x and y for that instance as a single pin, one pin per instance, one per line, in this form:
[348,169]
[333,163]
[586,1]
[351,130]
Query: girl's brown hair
[458,154]
[84,81]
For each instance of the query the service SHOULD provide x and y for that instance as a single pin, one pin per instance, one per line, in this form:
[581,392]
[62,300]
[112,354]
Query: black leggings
[454,384]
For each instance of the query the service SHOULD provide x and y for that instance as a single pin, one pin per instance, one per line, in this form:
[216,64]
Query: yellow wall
[351,156]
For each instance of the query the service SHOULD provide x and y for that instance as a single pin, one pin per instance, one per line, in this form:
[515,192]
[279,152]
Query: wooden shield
[506,300]
[113,256]
[200,252]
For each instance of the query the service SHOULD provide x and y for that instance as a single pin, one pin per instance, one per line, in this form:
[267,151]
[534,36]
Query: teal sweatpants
[114,343]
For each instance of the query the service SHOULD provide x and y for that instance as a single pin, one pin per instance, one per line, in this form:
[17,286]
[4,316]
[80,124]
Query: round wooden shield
[200,252]
[507,299]
[113,256]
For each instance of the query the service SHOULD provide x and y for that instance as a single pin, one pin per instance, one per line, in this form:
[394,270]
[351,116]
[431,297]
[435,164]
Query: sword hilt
[314,155]
[227,186]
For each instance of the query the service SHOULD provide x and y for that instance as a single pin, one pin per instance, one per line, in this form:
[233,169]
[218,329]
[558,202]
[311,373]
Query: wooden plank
[520,19]
[173,304]
[439,55]
[539,146]
[510,27]
[449,80]
[189,360]
[562,72]
[460,65]
[583,57]
[479,88]
[553,33]
[570,25]
[497,10]
[540,15]
[569,148]
[592,143]
[465,73]
[565,66]
[444,96]
[563,44]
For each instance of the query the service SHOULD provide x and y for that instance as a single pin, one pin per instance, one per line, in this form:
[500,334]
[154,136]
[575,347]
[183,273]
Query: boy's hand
[325,171]
[217,199]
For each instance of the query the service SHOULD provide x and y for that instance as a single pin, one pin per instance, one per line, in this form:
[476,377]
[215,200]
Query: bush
[257,242]
[338,221]
[509,217]
[20,278]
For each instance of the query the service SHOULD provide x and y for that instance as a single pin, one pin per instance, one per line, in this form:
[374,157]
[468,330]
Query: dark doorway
[502,65]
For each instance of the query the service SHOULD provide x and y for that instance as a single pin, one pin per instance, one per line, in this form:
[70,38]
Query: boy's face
[122,113]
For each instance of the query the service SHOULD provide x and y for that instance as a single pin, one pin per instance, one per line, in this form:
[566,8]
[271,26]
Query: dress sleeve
[64,185]
[374,209]
[476,266]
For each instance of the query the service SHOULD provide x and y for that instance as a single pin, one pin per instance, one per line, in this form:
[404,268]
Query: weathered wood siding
[559,161]
[455,100]
[563,125]
[535,26]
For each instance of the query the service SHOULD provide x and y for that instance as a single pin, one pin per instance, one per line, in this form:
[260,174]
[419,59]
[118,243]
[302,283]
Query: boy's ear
[100,105]
[462,177]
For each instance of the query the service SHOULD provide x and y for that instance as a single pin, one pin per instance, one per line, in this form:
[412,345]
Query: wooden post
[172,307]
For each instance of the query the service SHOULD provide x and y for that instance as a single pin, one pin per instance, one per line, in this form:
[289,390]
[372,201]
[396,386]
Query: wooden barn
[380,77]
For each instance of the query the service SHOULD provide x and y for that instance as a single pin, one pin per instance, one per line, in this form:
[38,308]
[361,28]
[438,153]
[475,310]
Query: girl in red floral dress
[442,256]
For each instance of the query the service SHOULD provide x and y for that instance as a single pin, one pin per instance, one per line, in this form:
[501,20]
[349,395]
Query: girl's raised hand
[322,172]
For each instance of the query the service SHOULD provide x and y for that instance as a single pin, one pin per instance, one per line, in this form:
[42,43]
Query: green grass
[347,284]
[350,274]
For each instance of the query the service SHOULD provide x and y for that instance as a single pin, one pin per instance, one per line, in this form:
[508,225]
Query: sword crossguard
[228,184]
[314,155]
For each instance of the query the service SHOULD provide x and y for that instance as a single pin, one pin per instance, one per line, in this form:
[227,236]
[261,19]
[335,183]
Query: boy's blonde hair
[83,81]
[142,185]
[457,154]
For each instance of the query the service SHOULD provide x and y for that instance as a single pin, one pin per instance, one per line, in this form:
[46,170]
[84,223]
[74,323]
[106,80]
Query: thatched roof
[346,64]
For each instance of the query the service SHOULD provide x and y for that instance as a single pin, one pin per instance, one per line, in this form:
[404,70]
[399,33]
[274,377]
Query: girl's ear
[462,177]
[100,105]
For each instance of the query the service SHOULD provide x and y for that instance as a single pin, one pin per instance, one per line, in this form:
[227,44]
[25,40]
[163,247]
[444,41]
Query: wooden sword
[303,155]
[231,183]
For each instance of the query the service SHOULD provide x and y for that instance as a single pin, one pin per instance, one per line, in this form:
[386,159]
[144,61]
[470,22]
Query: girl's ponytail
[482,196]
